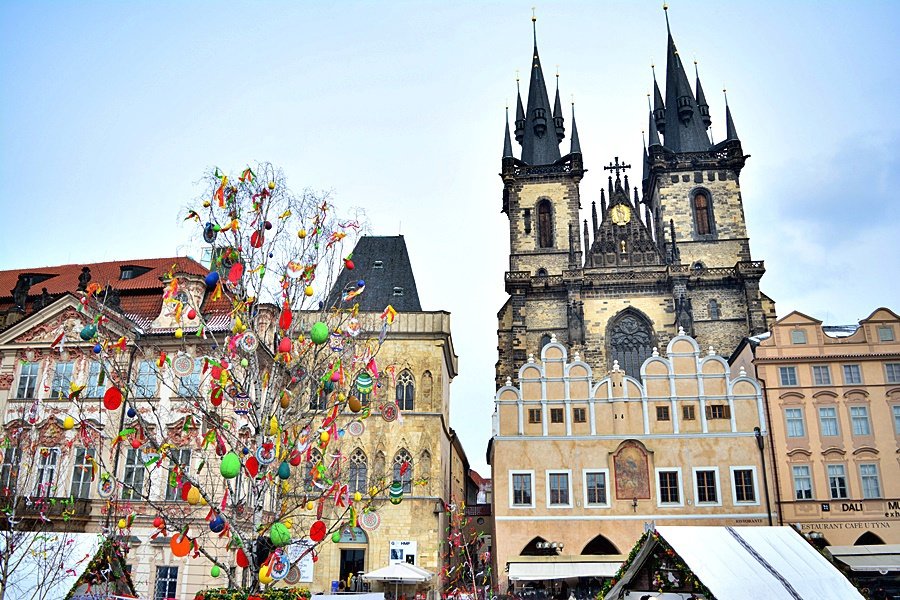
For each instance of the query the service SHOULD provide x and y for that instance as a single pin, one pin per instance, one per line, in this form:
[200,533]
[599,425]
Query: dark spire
[645,174]
[602,204]
[594,215]
[587,239]
[702,106]
[654,136]
[520,113]
[558,120]
[649,220]
[540,146]
[730,131]
[573,231]
[659,107]
[576,144]
[507,143]
[684,129]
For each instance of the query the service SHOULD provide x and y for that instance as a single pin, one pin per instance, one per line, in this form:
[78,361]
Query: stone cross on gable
[617,167]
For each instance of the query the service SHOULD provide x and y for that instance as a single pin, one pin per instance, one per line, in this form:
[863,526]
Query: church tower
[672,256]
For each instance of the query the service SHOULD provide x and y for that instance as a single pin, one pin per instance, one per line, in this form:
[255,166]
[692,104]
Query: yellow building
[582,464]
[833,396]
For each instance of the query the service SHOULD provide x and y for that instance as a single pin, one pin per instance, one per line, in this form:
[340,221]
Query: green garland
[244,594]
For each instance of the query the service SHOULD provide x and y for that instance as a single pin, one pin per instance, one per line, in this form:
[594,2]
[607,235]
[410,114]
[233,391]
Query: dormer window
[131,272]
[379,264]
[398,291]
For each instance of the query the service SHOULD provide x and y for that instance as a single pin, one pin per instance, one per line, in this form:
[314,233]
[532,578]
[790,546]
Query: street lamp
[761,444]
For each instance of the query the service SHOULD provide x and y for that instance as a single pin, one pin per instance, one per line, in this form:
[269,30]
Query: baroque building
[672,252]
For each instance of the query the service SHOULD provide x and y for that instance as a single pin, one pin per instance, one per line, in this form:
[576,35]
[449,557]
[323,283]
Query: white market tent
[879,558]
[736,563]
[399,573]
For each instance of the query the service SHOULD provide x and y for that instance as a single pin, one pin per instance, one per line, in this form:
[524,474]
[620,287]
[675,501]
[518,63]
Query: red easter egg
[112,399]
[135,443]
[252,466]
[216,372]
[284,346]
[296,458]
[242,560]
[192,314]
[158,522]
[235,273]
[256,239]
[284,321]
[216,395]
[180,545]
[317,531]
[349,264]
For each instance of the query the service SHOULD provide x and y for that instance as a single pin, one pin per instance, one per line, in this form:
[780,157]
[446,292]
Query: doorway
[353,562]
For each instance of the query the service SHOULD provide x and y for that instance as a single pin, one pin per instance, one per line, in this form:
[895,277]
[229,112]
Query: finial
[643,139]
[517,78]
[710,351]
[655,351]
[743,371]
[531,357]
[725,92]
[577,356]
[534,27]
[649,104]
[509,382]
[666,11]
[557,75]
[533,15]
[680,330]
[573,100]
[615,366]
[552,338]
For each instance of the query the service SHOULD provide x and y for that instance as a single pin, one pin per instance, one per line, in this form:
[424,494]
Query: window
[852,374]
[545,224]
[47,460]
[378,264]
[133,482]
[9,471]
[669,486]
[62,377]
[868,475]
[556,415]
[688,413]
[406,391]
[828,422]
[837,482]
[802,482]
[94,388]
[179,460]
[534,415]
[798,336]
[145,386]
[189,387]
[81,475]
[28,377]
[859,417]
[885,333]
[595,488]
[718,411]
[744,482]
[579,415]
[557,489]
[166,583]
[398,291]
[788,375]
[892,372]
[794,418]
[403,470]
[527,214]
[707,486]
[896,410]
[631,341]
[821,375]
[318,398]
[714,310]
[702,214]
[359,472]
[662,413]
[521,489]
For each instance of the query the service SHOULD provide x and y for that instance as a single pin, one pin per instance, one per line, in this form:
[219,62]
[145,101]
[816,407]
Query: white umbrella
[399,573]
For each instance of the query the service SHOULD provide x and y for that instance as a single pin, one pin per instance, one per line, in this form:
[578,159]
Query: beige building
[583,463]
[833,396]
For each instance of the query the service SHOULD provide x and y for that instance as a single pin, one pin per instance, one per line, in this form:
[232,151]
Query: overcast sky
[110,112]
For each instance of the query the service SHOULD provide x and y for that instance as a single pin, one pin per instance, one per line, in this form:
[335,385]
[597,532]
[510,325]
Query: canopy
[883,558]
[399,573]
[541,571]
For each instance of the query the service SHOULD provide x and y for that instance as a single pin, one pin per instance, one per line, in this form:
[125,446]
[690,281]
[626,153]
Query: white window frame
[787,422]
[81,473]
[530,473]
[680,502]
[584,476]
[808,476]
[568,474]
[886,329]
[844,369]
[157,581]
[718,502]
[889,368]
[862,482]
[827,372]
[863,419]
[791,372]
[43,483]
[895,411]
[843,475]
[61,380]
[735,501]
[837,422]
[30,378]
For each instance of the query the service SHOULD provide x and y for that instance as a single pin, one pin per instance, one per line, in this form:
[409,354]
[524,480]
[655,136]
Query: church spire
[576,143]
[507,142]
[730,131]
[654,136]
[659,107]
[520,112]
[684,128]
[558,120]
[702,106]
[540,146]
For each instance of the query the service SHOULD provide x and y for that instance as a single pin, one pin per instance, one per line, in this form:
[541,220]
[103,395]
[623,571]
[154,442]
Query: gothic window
[545,224]
[527,220]
[703,217]
[403,468]
[542,272]
[406,391]
[714,310]
[545,339]
[359,472]
[630,341]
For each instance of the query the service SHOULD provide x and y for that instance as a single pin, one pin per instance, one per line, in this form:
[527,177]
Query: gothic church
[671,254]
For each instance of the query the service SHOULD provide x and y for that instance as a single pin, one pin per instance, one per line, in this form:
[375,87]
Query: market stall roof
[775,563]
[883,558]
[540,571]
[399,572]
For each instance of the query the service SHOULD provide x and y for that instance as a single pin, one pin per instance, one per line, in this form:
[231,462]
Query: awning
[534,571]
[876,557]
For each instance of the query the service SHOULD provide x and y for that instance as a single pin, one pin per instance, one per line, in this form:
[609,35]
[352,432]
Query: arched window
[600,545]
[703,220]
[630,339]
[403,470]
[425,468]
[714,310]
[545,339]
[868,539]
[545,224]
[406,391]
[359,472]
[542,272]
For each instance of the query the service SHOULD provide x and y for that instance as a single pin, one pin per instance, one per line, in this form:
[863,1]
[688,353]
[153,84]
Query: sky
[111,112]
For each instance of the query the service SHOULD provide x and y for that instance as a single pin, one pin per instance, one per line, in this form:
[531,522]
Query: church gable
[622,240]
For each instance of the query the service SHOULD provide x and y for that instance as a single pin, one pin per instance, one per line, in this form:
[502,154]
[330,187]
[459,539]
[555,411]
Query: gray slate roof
[383,263]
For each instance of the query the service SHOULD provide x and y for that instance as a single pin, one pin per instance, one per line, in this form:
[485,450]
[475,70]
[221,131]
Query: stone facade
[582,460]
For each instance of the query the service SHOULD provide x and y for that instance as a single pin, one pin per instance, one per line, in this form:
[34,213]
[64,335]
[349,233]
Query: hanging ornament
[112,398]
[396,492]
[231,466]
[180,545]
[279,534]
[286,317]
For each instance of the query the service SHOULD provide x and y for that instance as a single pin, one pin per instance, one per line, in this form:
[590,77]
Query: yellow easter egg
[310,505]
[301,234]
[324,437]
[68,423]
[309,290]
[265,575]
[193,496]
[123,524]
[357,497]
[271,185]
[179,333]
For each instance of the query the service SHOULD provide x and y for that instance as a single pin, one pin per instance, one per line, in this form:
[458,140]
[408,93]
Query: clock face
[620,214]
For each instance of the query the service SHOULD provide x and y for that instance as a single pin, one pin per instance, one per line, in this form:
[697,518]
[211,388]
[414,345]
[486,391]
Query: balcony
[478,510]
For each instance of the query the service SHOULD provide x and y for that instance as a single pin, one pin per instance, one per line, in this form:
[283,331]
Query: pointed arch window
[359,472]
[703,215]
[631,340]
[403,469]
[406,391]
[714,313]
[545,224]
